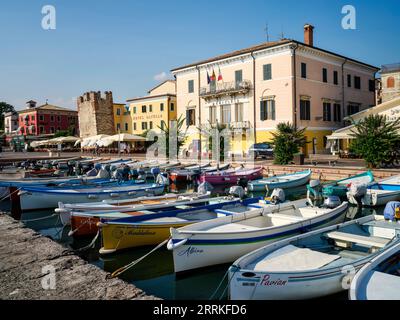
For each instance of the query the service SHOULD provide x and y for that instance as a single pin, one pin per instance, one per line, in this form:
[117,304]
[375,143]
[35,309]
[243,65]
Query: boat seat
[344,239]
[285,216]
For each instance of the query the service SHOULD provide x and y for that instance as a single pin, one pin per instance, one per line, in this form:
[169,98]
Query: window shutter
[273,109]
[262,110]
[187,118]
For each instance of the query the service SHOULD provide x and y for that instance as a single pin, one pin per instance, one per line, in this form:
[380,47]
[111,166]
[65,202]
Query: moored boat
[34,198]
[192,172]
[225,239]
[339,188]
[231,176]
[66,209]
[378,279]
[152,229]
[311,265]
[86,223]
[284,181]
[377,194]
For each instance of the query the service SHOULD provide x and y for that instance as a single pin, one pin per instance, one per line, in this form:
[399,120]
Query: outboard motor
[204,188]
[134,173]
[314,193]
[278,196]
[162,179]
[243,182]
[237,191]
[141,174]
[392,211]
[332,202]
[357,191]
[155,172]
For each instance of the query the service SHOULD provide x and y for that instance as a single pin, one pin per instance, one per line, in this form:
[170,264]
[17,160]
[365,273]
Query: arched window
[390,82]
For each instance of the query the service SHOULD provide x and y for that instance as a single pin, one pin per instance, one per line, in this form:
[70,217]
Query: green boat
[340,187]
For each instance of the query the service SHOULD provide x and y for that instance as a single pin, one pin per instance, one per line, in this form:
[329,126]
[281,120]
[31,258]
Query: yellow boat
[152,228]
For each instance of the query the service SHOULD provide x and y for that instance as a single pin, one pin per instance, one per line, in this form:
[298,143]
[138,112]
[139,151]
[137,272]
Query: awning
[341,134]
[122,137]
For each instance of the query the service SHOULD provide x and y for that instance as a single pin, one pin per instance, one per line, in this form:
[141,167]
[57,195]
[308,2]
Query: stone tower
[95,114]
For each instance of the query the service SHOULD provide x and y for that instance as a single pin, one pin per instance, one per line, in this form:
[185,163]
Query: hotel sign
[147,117]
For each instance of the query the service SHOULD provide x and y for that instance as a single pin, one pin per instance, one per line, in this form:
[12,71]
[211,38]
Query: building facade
[256,88]
[390,81]
[96,114]
[46,119]
[122,118]
[155,110]
[10,122]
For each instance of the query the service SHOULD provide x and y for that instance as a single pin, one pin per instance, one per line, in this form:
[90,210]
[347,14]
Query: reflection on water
[155,274]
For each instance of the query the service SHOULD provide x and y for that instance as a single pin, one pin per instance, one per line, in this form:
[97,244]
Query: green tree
[209,131]
[376,140]
[180,132]
[287,141]
[4,108]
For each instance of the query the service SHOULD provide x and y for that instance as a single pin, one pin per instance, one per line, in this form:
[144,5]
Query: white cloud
[161,76]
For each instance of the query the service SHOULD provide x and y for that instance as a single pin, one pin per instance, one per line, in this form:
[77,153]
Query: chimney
[309,34]
[31,104]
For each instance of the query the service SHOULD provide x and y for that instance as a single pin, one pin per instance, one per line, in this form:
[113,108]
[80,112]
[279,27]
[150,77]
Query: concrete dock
[33,267]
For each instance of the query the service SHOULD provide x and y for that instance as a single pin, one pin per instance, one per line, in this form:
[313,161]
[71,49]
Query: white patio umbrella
[122,137]
[91,141]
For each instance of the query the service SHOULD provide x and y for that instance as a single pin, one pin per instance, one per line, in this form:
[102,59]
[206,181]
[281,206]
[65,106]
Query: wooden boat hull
[142,231]
[340,187]
[263,184]
[373,283]
[376,198]
[117,237]
[35,199]
[231,179]
[249,284]
[203,250]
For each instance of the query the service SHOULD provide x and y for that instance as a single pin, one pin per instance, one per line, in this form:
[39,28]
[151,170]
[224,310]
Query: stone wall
[95,114]
[390,86]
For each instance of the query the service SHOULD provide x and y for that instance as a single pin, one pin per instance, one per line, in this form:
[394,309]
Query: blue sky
[123,45]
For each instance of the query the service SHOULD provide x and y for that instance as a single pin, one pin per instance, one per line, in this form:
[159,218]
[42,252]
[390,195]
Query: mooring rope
[9,195]
[91,244]
[121,270]
[38,219]
[219,286]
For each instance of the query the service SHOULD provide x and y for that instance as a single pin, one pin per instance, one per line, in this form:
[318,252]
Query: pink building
[283,81]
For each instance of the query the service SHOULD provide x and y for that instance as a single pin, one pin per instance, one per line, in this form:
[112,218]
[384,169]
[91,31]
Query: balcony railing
[231,125]
[225,88]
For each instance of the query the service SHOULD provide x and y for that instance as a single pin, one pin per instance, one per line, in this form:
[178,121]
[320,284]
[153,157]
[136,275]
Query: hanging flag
[220,74]
[208,78]
[213,76]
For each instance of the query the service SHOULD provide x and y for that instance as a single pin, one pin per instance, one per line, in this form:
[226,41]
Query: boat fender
[172,246]
[237,191]
[92,196]
[101,224]
[61,210]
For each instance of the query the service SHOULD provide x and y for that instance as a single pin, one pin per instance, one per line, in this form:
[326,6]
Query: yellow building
[155,110]
[122,118]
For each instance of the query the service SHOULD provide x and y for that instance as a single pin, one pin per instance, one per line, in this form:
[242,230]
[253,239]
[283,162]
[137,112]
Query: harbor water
[155,274]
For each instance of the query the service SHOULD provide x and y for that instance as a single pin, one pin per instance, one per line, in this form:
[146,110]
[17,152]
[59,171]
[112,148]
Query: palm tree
[209,132]
[376,140]
[180,133]
[287,141]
